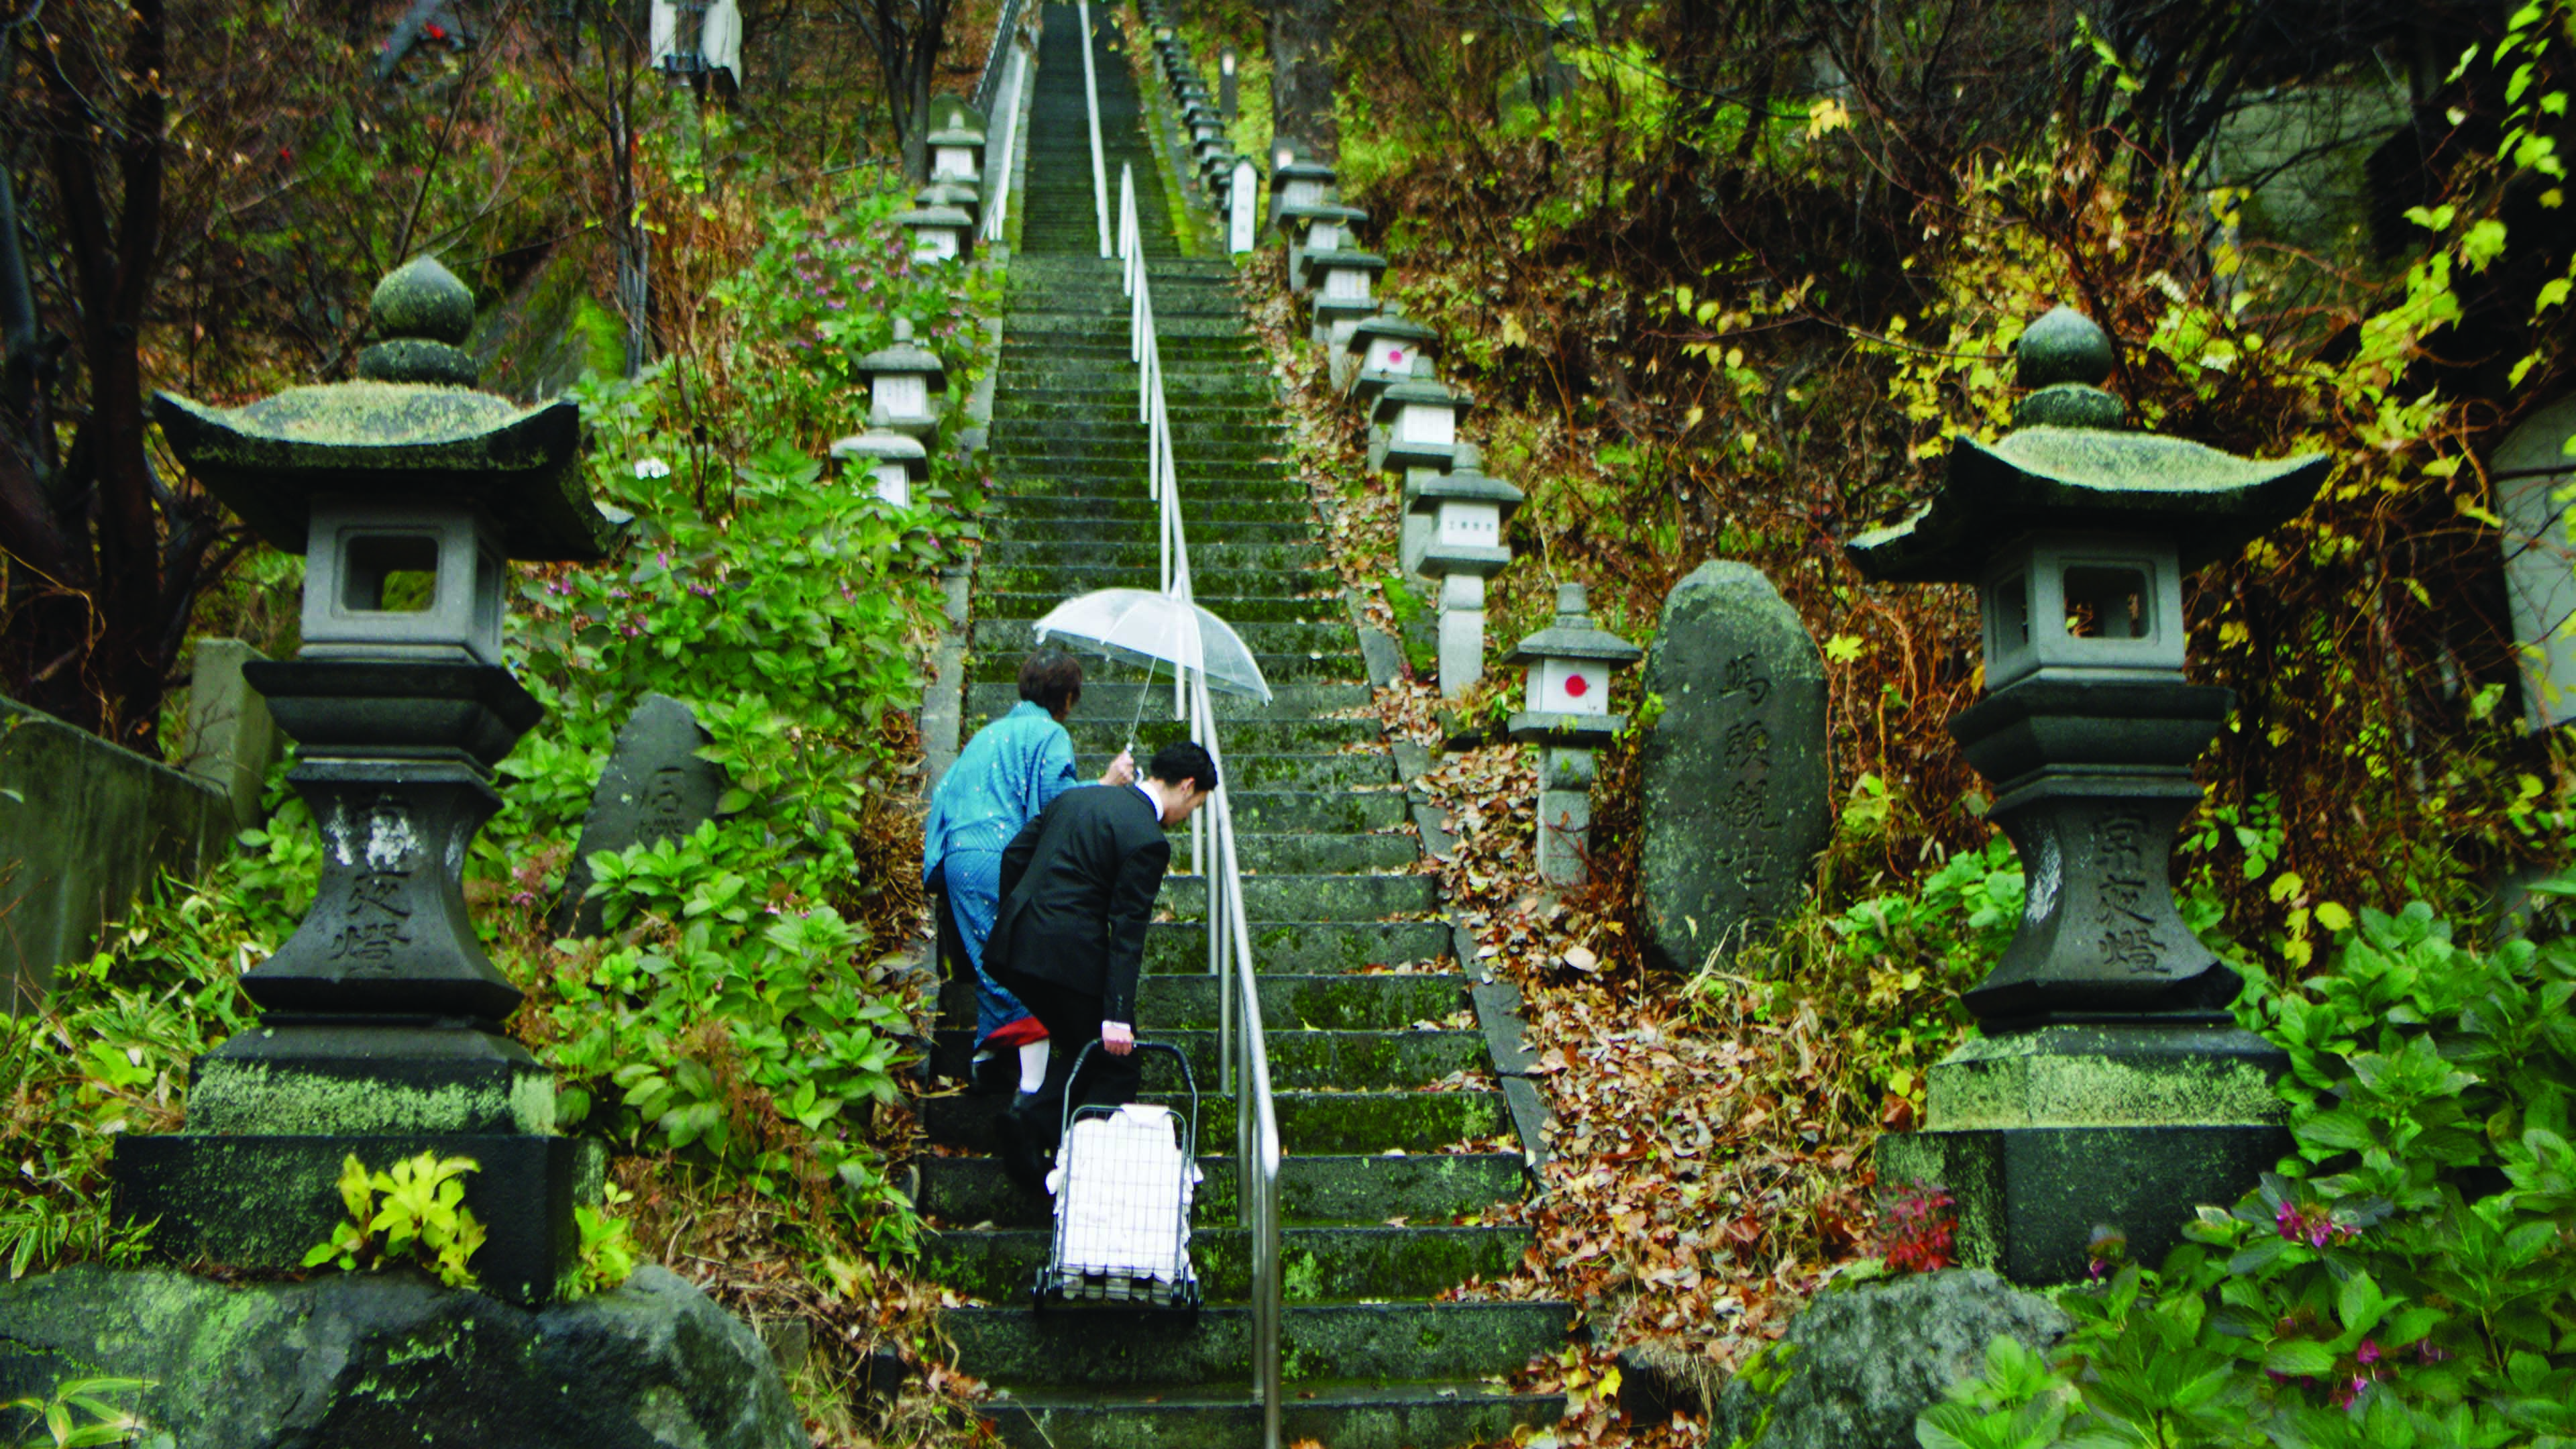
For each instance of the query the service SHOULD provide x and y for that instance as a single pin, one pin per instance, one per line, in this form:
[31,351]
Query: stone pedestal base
[264,1201]
[1462,633]
[1564,814]
[2044,1136]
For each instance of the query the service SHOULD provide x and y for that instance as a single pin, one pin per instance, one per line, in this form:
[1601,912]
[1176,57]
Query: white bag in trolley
[1122,1197]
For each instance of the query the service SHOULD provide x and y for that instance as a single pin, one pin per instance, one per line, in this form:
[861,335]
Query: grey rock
[654,788]
[392,1358]
[1735,772]
[1862,1362]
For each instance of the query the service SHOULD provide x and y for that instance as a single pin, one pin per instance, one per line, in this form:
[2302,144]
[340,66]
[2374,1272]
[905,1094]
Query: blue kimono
[1002,779]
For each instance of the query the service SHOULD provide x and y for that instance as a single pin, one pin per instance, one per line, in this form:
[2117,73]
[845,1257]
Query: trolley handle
[1179,1058]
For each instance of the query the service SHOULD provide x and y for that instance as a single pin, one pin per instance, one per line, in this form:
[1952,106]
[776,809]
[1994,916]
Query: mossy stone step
[1387,1001]
[1318,1264]
[1368,1415]
[1239,610]
[1299,1060]
[1104,700]
[1198,510]
[1310,1123]
[1311,897]
[1430,1187]
[1091,482]
[1007,529]
[1335,1341]
[1266,771]
[1304,947]
[1001,634]
[1005,664]
[1206,558]
[1097,737]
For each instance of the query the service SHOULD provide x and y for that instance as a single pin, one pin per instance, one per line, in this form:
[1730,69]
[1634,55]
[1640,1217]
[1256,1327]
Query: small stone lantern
[2111,1085]
[956,194]
[939,233]
[1416,423]
[957,152]
[1459,517]
[895,462]
[1298,183]
[906,385]
[380,1030]
[1380,352]
[1320,227]
[1567,714]
[1345,285]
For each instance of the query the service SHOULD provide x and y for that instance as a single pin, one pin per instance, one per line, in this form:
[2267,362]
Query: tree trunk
[1301,77]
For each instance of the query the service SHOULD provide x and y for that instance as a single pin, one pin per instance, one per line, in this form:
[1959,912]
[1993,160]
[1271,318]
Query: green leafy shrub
[423,1217]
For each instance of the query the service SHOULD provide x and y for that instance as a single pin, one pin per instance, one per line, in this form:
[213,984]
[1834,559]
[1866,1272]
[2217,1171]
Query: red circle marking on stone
[1576,686]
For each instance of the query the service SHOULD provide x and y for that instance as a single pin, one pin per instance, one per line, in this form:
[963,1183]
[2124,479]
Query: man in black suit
[1077,889]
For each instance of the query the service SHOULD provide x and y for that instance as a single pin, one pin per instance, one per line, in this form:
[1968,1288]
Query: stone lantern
[906,385]
[1313,228]
[957,152]
[1226,65]
[1298,183]
[1380,352]
[1566,712]
[1458,519]
[893,461]
[1345,284]
[380,1033]
[954,194]
[1416,422]
[939,233]
[2111,1086]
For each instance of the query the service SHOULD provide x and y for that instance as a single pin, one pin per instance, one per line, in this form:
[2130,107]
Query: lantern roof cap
[1465,482]
[413,426]
[1324,211]
[1390,324]
[882,445]
[944,192]
[934,215]
[956,136]
[1422,389]
[1299,170]
[1574,636]
[903,355]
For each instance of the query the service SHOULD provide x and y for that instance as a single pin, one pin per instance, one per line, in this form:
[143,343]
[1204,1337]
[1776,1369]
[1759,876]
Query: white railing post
[1091,98]
[998,167]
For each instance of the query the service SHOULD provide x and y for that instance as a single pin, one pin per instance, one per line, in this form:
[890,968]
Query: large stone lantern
[957,151]
[380,1035]
[1566,713]
[2111,1087]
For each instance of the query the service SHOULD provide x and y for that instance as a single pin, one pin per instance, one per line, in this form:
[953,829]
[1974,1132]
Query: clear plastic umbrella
[1149,628]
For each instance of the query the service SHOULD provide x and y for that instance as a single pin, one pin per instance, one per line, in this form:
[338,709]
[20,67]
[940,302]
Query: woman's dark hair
[1183,760]
[1052,680]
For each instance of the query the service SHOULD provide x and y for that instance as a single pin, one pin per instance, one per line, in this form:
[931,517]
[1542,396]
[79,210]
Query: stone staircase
[1396,1140]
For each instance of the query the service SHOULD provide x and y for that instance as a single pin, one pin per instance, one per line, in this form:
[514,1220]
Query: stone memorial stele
[380,1030]
[654,788]
[2111,1087]
[1566,698]
[1734,781]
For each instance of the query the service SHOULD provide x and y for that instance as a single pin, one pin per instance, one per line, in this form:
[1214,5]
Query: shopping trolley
[1123,1180]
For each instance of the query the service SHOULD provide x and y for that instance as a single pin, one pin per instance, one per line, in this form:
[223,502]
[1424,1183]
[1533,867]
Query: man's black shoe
[994,1074]
[1024,1159]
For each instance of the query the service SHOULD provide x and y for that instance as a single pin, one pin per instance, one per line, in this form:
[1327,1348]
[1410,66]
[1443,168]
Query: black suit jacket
[1078,886]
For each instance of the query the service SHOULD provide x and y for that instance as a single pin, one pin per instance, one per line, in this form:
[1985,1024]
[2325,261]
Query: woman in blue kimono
[1001,780]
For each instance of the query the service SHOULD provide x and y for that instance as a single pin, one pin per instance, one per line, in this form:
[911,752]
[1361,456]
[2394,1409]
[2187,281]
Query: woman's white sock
[1033,1063]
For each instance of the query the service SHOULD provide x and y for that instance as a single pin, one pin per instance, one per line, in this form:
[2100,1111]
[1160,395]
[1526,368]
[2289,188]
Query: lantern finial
[420,311]
[2064,358]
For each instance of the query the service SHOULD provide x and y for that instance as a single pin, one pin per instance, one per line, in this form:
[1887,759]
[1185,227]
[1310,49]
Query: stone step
[1345,1061]
[1042,530]
[1067,580]
[1310,1123]
[1310,897]
[1429,1187]
[1223,486]
[1198,507]
[1317,1341]
[1366,1415]
[1099,737]
[1386,1001]
[1103,700]
[1275,668]
[1264,770]
[1240,609]
[1317,1264]
[1001,635]
[1206,556]
[1251,412]
[1303,947]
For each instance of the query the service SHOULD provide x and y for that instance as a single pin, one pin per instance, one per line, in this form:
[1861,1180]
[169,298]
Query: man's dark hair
[1052,680]
[1183,760]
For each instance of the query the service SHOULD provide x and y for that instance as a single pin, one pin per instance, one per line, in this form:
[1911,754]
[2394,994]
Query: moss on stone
[252,1097]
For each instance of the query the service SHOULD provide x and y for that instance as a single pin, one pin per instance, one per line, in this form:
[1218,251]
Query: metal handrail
[1091,100]
[1006,115]
[988,81]
[1243,1043]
